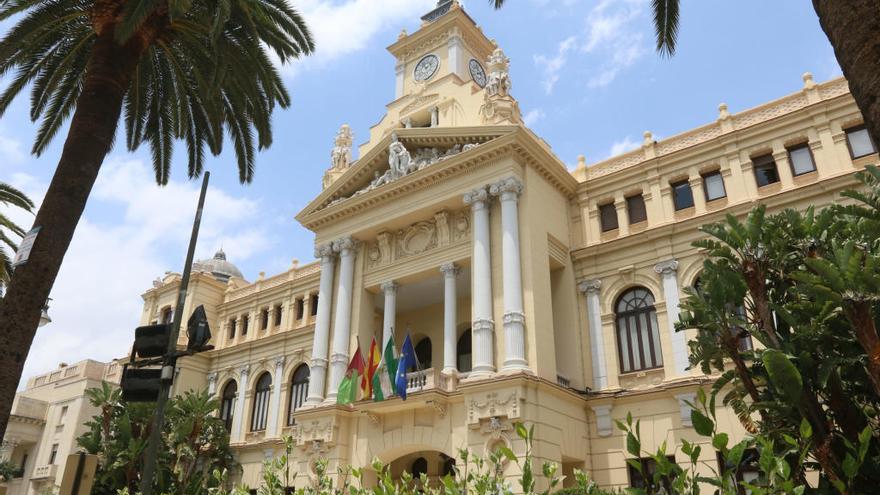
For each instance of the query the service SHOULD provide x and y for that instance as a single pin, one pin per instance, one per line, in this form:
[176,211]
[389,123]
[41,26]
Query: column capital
[669,267]
[508,189]
[244,371]
[591,286]
[212,377]
[483,325]
[450,270]
[344,245]
[476,198]
[389,287]
[279,361]
[324,251]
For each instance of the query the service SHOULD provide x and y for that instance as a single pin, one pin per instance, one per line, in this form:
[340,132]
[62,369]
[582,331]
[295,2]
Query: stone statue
[398,158]
[340,155]
[498,82]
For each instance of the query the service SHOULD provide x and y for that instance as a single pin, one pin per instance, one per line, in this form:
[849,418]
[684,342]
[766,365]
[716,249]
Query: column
[450,305]
[342,321]
[238,415]
[482,327]
[508,190]
[275,398]
[668,271]
[321,341]
[212,383]
[590,288]
[390,290]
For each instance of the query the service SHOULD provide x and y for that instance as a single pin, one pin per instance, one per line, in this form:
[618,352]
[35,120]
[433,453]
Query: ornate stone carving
[462,225]
[499,107]
[450,269]
[478,195]
[502,403]
[441,221]
[316,431]
[417,238]
[495,427]
[590,286]
[279,361]
[509,188]
[389,287]
[340,155]
[666,267]
[324,250]
[344,244]
[212,378]
[498,82]
[444,229]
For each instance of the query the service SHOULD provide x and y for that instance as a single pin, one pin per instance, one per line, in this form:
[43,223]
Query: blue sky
[584,72]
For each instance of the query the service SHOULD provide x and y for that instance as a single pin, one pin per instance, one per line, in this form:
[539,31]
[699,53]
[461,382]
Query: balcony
[45,472]
[428,379]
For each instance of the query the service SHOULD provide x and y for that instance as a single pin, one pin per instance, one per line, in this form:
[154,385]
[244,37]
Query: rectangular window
[314,304]
[713,185]
[682,196]
[264,319]
[765,170]
[167,315]
[63,416]
[859,141]
[232,329]
[278,315]
[244,325]
[53,454]
[608,217]
[801,159]
[300,308]
[635,206]
[645,479]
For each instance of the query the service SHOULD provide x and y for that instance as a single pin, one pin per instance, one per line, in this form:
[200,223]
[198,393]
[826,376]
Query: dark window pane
[232,329]
[635,206]
[801,160]
[608,217]
[638,335]
[713,184]
[860,142]
[261,403]
[765,170]
[314,305]
[299,390]
[277,315]
[463,352]
[682,196]
[264,319]
[300,308]
[244,324]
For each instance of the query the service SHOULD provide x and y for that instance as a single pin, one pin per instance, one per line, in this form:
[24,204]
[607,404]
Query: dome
[217,266]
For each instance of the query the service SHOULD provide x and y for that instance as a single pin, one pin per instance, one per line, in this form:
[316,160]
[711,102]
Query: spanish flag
[373,359]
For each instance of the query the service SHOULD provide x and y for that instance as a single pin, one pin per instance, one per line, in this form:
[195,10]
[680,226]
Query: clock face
[426,67]
[477,72]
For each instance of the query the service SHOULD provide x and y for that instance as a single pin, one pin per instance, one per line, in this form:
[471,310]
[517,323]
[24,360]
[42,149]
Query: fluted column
[238,415]
[483,327]
[321,342]
[212,382]
[450,307]
[275,398]
[668,271]
[590,288]
[390,290]
[508,190]
[342,322]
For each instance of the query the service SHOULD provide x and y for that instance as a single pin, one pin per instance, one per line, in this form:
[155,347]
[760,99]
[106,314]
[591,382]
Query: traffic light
[151,340]
[141,384]
[197,331]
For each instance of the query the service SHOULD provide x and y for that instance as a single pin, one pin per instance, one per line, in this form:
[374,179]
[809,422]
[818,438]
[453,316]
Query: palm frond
[666,25]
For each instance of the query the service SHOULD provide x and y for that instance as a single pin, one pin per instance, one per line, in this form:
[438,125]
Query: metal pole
[77,477]
[152,452]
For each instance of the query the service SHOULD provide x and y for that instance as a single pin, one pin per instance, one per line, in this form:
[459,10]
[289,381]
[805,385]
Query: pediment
[421,156]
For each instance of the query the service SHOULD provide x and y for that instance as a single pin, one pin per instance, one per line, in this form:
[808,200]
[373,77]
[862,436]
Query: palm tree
[188,70]
[852,27]
[10,196]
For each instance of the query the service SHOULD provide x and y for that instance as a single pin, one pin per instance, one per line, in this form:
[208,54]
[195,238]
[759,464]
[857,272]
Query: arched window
[463,352]
[419,467]
[261,402]
[423,354]
[638,336]
[299,389]
[448,465]
[227,403]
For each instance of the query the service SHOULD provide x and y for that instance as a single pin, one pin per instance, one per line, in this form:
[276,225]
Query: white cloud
[343,28]
[552,66]
[96,300]
[622,146]
[533,116]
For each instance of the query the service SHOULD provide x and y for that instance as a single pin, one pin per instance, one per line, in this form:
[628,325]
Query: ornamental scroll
[444,229]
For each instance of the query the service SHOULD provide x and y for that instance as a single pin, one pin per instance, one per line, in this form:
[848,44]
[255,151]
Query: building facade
[533,293]
[47,418]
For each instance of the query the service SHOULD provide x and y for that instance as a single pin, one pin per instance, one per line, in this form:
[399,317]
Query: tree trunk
[853,28]
[89,139]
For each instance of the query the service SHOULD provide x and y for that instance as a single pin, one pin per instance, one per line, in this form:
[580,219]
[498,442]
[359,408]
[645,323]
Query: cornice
[510,141]
[424,39]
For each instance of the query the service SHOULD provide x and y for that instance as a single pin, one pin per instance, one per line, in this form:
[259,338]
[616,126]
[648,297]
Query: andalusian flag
[383,379]
[348,387]
[373,359]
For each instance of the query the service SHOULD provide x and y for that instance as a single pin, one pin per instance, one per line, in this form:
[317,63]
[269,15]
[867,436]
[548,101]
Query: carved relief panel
[444,229]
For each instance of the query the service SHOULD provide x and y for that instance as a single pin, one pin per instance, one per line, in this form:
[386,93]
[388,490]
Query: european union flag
[407,361]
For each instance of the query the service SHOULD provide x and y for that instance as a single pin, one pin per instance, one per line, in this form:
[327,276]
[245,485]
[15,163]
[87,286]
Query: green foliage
[203,69]
[806,287]
[10,196]
[195,443]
